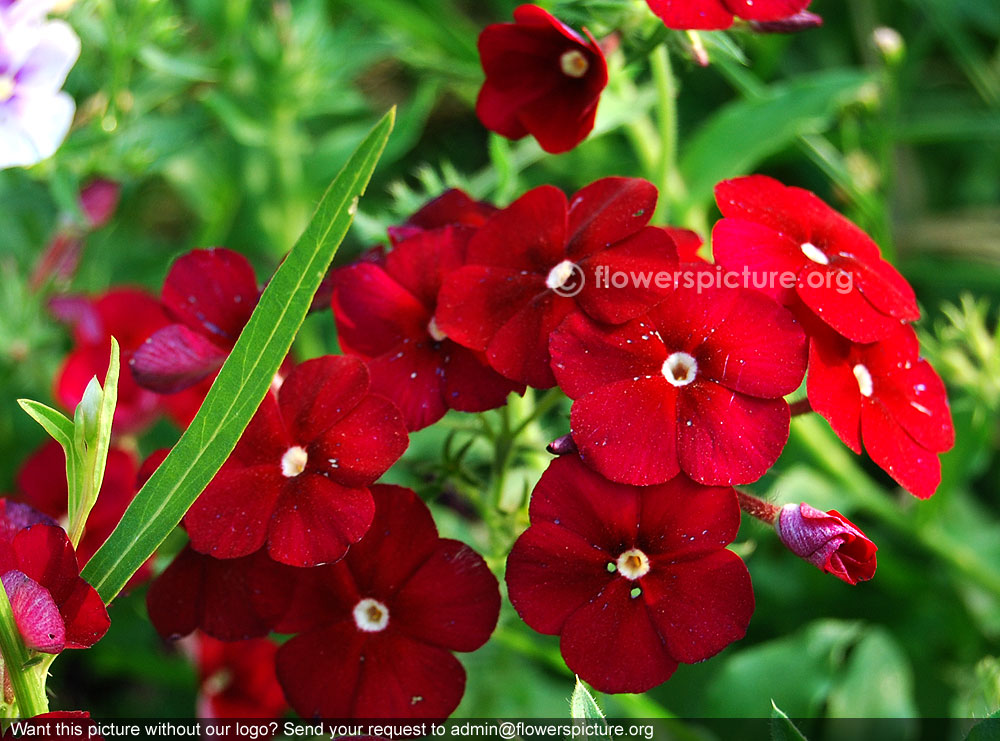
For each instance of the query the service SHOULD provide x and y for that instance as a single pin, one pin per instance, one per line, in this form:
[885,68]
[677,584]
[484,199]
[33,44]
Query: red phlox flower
[130,315]
[633,580]
[717,14]
[297,479]
[451,208]
[695,386]
[827,540]
[542,78]
[53,607]
[237,679]
[385,314]
[42,482]
[772,229]
[377,630]
[540,258]
[210,294]
[230,599]
[887,396]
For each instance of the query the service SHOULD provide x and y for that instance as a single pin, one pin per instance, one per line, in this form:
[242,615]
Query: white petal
[53,56]
[33,128]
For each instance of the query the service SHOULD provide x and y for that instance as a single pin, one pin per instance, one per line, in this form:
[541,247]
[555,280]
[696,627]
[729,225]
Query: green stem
[667,177]
[28,684]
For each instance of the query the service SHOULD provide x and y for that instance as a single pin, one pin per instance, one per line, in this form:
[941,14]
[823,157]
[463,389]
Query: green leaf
[782,728]
[987,729]
[54,422]
[877,681]
[583,706]
[740,135]
[243,381]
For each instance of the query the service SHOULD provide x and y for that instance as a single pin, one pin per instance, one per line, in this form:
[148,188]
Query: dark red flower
[695,386]
[237,679]
[540,258]
[53,607]
[886,395]
[130,315]
[542,78]
[451,208]
[377,630]
[836,269]
[633,580]
[42,482]
[210,294]
[297,479]
[716,14]
[827,540]
[232,599]
[385,314]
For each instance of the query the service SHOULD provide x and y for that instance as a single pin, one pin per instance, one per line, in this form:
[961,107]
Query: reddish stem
[763,511]
[802,406]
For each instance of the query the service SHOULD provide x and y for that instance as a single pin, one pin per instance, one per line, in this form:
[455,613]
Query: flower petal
[175,358]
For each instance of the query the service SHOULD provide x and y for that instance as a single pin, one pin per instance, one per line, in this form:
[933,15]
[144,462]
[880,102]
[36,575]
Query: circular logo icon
[566,279]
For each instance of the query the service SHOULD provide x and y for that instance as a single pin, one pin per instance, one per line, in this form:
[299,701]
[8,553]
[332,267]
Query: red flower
[885,394]
[542,78]
[716,14]
[385,314]
[538,259]
[827,540]
[296,480]
[232,599]
[53,607]
[377,630]
[130,315]
[695,386]
[838,270]
[451,208]
[237,680]
[633,580]
[210,294]
[42,481]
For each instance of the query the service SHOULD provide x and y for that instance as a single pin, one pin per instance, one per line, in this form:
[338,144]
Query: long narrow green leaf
[242,382]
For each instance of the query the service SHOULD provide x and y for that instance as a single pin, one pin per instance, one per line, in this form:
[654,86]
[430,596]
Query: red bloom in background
[827,540]
[633,580]
[210,294]
[130,315]
[232,599]
[377,630]
[841,276]
[886,395]
[42,481]
[716,14]
[297,479]
[237,680]
[451,208]
[53,607]
[537,260]
[542,78]
[695,386]
[385,314]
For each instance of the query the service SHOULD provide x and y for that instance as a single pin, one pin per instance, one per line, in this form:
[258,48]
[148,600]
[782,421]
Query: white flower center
[6,88]
[864,377]
[573,63]
[560,274]
[370,615]
[293,462]
[435,331]
[633,564]
[680,369]
[814,253]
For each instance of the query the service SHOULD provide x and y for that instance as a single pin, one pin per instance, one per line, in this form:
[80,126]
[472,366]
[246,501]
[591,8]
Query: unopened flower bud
[562,446]
[828,540]
[889,43]
[90,409]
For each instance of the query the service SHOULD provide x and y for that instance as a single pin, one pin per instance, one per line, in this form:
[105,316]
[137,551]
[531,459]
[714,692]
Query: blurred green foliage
[225,120]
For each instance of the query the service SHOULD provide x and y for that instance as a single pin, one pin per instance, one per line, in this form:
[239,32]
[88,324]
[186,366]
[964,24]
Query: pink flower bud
[98,200]
[827,540]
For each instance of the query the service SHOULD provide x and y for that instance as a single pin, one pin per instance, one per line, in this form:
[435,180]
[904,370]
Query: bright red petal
[530,234]
[833,389]
[706,15]
[520,348]
[374,312]
[917,469]
[231,517]
[608,211]
[765,10]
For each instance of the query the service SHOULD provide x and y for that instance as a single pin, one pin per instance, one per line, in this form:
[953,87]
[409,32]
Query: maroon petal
[265,440]
[530,234]
[412,376]
[36,613]
[213,292]
[682,520]
[520,348]
[175,358]
[320,392]
[316,520]
[319,671]
[608,211]
[726,438]
[420,263]
[613,645]
[471,385]
[231,517]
